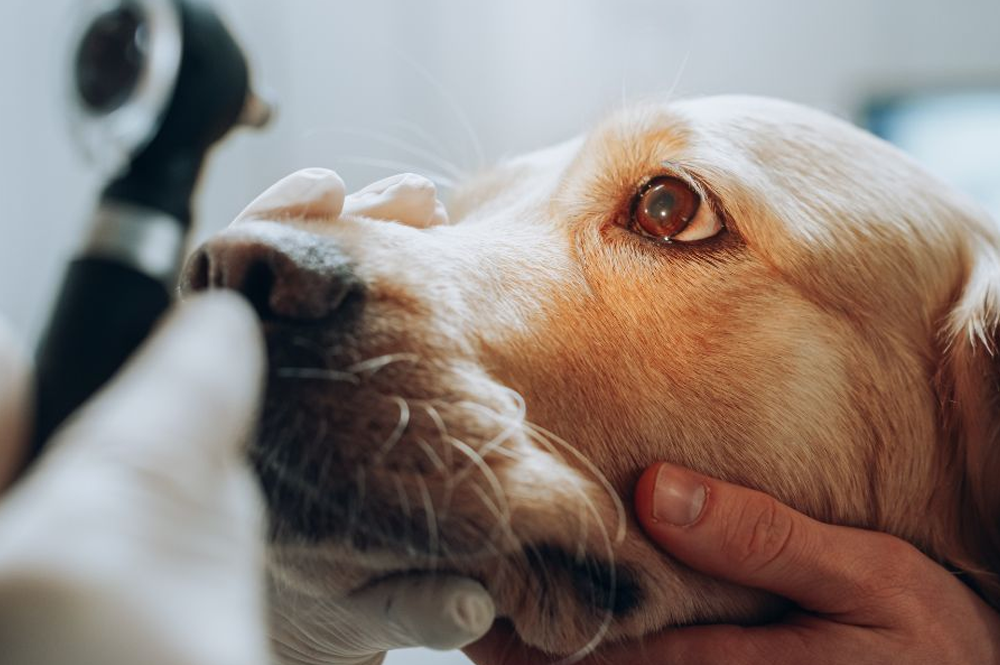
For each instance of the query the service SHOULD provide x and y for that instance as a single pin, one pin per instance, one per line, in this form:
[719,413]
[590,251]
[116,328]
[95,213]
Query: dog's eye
[669,210]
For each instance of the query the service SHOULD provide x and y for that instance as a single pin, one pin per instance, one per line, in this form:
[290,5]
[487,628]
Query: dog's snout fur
[287,273]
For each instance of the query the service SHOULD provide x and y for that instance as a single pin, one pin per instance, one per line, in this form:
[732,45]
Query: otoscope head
[159,82]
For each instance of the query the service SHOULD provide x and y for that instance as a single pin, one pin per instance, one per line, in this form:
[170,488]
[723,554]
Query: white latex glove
[320,194]
[138,537]
[441,612]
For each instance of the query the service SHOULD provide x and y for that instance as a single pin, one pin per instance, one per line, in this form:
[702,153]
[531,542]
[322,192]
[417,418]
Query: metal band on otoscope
[147,240]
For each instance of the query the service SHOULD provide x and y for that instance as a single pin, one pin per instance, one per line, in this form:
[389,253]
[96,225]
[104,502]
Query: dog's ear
[968,382]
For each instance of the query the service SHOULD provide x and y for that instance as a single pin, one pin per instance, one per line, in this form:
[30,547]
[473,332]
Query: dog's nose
[286,273]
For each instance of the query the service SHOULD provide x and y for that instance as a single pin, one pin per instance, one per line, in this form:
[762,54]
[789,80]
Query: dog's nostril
[257,285]
[195,276]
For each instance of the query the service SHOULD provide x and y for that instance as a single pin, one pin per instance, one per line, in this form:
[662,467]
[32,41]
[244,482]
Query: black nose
[286,273]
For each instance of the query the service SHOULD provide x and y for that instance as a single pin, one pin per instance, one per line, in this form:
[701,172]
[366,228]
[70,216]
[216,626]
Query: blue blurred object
[954,132]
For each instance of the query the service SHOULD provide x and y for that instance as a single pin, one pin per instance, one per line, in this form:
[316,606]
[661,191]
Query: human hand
[138,535]
[863,597]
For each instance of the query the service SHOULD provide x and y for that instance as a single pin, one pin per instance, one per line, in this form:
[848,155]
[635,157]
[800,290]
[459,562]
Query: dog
[743,286]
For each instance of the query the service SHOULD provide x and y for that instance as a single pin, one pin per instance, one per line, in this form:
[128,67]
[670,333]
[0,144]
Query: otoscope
[155,85]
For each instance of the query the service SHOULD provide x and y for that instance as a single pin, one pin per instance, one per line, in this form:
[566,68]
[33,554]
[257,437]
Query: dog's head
[742,286]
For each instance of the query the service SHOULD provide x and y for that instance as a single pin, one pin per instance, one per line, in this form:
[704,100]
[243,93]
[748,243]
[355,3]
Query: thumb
[189,394]
[749,538]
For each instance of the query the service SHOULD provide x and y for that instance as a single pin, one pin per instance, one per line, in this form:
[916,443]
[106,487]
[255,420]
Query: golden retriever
[743,286]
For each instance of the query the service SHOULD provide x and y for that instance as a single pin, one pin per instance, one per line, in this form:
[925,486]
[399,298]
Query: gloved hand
[138,536]
[441,612]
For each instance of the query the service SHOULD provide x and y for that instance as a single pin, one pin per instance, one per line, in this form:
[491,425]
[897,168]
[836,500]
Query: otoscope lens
[110,59]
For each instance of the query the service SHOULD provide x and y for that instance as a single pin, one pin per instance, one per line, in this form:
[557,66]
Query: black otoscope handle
[121,283]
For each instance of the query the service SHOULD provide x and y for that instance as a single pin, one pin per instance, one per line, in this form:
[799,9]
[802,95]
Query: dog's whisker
[461,115]
[601,478]
[538,437]
[312,345]
[433,414]
[488,474]
[496,444]
[430,515]
[503,523]
[550,441]
[397,433]
[553,443]
[433,159]
[516,421]
[681,69]
[322,429]
[373,365]
[357,502]
[435,459]
[440,179]
[295,653]
[609,614]
[431,142]
[316,374]
[286,476]
[404,505]
[487,549]
[310,648]
[549,447]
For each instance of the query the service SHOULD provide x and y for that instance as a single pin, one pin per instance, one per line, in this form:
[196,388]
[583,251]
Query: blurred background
[444,87]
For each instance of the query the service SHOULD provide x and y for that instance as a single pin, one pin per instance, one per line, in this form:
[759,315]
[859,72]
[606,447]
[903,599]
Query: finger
[439,612]
[785,644]
[790,643]
[405,198]
[14,384]
[749,538]
[190,395]
[307,194]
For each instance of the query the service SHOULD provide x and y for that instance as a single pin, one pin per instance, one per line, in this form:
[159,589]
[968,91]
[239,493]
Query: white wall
[354,78]
[522,73]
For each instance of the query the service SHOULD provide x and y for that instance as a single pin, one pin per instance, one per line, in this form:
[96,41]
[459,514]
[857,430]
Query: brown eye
[664,208]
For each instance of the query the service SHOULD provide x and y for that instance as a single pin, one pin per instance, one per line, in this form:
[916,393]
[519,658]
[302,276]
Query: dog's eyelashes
[668,209]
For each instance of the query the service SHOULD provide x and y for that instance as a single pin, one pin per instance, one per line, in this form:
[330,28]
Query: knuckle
[892,563]
[894,583]
[759,535]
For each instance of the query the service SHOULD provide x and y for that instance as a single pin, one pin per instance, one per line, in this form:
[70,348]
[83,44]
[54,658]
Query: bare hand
[863,597]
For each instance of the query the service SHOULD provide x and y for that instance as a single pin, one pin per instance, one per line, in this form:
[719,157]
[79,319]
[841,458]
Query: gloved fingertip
[310,194]
[451,613]
[472,613]
[231,314]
